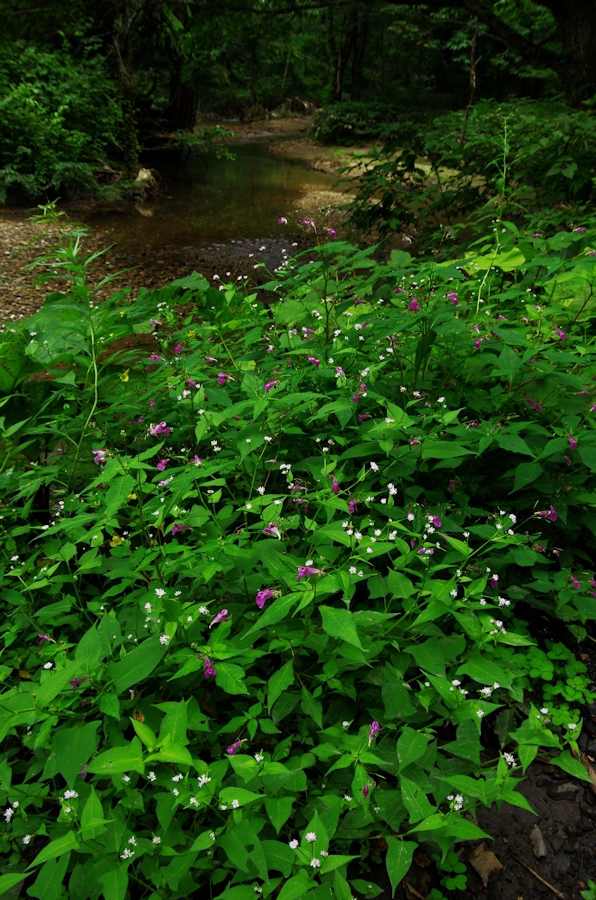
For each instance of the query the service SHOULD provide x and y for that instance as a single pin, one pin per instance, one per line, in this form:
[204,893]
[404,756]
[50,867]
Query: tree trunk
[181,112]
[576,26]
[359,45]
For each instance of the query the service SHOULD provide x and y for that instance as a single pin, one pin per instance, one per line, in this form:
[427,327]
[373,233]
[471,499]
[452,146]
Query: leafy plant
[264,567]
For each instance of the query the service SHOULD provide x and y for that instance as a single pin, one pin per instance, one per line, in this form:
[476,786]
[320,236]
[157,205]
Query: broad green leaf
[332,862]
[295,888]
[443,450]
[92,819]
[278,683]
[279,810]
[56,683]
[484,671]
[229,795]
[415,800]
[279,857]
[73,748]
[172,753]
[118,760]
[273,614]
[11,880]
[513,442]
[117,495]
[230,678]
[464,830]
[411,745]
[48,884]
[339,623]
[312,707]
[517,799]
[526,473]
[570,765]
[145,733]
[110,705]
[57,848]
[115,883]
[399,860]
[137,664]
[203,842]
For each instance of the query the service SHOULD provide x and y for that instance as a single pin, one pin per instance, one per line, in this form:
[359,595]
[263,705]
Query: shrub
[265,568]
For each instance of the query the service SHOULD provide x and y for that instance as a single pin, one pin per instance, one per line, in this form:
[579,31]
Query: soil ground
[565,808]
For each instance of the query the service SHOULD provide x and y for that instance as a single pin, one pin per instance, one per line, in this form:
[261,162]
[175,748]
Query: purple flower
[83,772]
[45,637]
[269,385]
[305,571]
[579,230]
[196,460]
[222,378]
[373,731]
[308,223]
[210,670]
[362,417]
[572,443]
[220,617]
[152,403]
[332,232]
[191,383]
[99,457]
[210,359]
[414,305]
[352,504]
[575,585]
[234,748]
[264,595]
[180,526]
[414,442]
[271,530]
[536,234]
[282,220]
[335,488]
[549,514]
[313,359]
[140,420]
[75,682]
[160,429]
[162,464]
[339,372]
[436,521]
[567,459]
[477,343]
[453,297]
[178,348]
[561,334]
[155,356]
[365,791]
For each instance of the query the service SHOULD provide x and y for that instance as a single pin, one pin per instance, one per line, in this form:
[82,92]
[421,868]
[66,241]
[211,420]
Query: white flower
[259,757]
[544,711]
[27,838]
[156,840]
[164,639]
[315,863]
[374,467]
[48,665]
[310,837]
[194,802]
[176,792]
[347,798]
[572,725]
[479,713]
[160,592]
[345,723]
[309,562]
[151,776]
[203,780]
[203,610]
[212,835]
[132,840]
[178,777]
[126,779]
[261,490]
[456,682]
[235,804]
[510,759]
[324,854]
[249,505]
[127,854]
[147,607]
[293,844]
[68,795]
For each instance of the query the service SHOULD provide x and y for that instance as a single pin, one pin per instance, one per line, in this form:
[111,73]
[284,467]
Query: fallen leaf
[421,859]
[485,862]
[538,844]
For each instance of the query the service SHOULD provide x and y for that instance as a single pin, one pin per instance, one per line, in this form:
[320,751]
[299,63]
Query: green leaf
[399,860]
[229,794]
[312,707]
[57,848]
[117,495]
[92,820]
[56,683]
[339,623]
[137,664]
[295,888]
[443,450]
[279,857]
[516,799]
[118,760]
[11,880]
[145,734]
[278,610]
[230,678]
[110,705]
[73,748]
[115,883]
[172,753]
[278,682]
[484,671]
[415,800]
[332,862]
[410,746]
[526,473]
[203,842]
[513,443]
[48,884]
[279,810]
[570,765]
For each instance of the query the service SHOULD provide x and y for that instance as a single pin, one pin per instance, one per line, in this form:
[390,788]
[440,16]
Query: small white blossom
[27,838]
[164,639]
[156,840]
[127,854]
[310,837]
[151,776]
[293,844]
[315,863]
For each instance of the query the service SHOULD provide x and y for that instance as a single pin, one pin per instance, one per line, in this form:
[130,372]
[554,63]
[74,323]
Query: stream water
[210,206]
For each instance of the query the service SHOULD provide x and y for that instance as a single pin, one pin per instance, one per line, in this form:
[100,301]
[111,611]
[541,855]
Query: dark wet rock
[566,791]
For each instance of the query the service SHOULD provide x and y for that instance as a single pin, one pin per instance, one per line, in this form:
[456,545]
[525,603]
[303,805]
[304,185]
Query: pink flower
[180,526]
[264,595]
[222,378]
[272,530]
[220,617]
[45,637]
[178,348]
[373,731]
[414,443]
[561,334]
[152,403]
[99,457]
[332,232]
[365,791]
[140,420]
[191,383]
[477,343]
[83,772]
[210,359]
[453,297]
[362,418]
[436,521]
[335,488]
[155,356]
[549,514]
[269,385]
[234,748]
[308,223]
[414,305]
[580,230]
[575,585]
[159,429]
[313,359]
[75,682]
[162,464]
[282,220]
[196,460]
[572,443]
[210,670]
[352,505]
[305,571]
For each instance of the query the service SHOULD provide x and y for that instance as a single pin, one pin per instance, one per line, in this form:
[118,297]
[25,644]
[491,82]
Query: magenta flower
[373,731]
[210,359]
[155,356]
[264,595]
[178,348]
[196,460]
[572,443]
[414,443]
[305,571]
[45,637]
[477,343]
[271,530]
[152,403]
[269,385]
[308,223]
[549,514]
[222,378]
[561,334]
[580,230]
[140,420]
[332,232]
[210,670]
[234,748]
[352,504]
[162,464]
[180,526]
[282,220]
[414,305]
[313,359]
[363,417]
[365,791]
[220,617]
[452,296]
[99,457]
[83,772]
[436,521]
[335,488]
[191,383]
[160,429]
[75,682]
[575,585]
[536,234]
